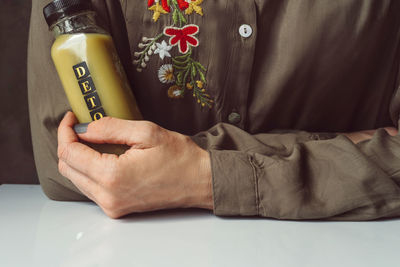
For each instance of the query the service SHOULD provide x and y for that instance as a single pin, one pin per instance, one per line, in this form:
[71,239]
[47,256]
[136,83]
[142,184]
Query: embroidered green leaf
[191,75]
[203,79]
[198,64]
[194,71]
[188,73]
[175,17]
[183,56]
[185,77]
[179,78]
[181,62]
[180,67]
[177,61]
[183,19]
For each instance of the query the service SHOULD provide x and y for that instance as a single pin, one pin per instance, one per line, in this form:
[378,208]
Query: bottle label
[88,90]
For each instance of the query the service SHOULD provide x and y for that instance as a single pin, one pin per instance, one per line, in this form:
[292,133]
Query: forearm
[291,176]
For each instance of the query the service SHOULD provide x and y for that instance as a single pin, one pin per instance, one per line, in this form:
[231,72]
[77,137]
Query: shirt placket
[244,35]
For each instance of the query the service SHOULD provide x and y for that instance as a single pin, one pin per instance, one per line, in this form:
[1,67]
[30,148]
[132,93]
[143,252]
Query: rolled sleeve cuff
[234,183]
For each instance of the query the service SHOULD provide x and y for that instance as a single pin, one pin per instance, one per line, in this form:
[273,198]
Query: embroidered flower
[185,73]
[148,46]
[194,5]
[166,73]
[175,92]
[162,49]
[183,37]
[158,9]
[183,4]
[199,84]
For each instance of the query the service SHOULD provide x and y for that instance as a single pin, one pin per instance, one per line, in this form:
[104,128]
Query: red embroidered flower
[183,37]
[164,4]
[183,4]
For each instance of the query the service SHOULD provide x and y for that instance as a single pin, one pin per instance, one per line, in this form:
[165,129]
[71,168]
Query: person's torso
[265,64]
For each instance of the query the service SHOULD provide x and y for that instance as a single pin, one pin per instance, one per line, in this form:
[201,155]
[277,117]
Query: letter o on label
[97,116]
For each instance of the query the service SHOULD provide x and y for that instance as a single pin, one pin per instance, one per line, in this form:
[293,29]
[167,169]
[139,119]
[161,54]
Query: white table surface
[35,231]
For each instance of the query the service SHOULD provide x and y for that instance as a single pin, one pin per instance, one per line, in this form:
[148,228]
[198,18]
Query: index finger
[80,157]
[65,131]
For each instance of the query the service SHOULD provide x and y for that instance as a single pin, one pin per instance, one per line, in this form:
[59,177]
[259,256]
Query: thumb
[139,134]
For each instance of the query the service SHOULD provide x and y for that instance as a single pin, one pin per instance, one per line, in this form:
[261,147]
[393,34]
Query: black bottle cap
[58,9]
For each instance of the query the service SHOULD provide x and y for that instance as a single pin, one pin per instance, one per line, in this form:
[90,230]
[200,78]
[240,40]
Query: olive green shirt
[264,86]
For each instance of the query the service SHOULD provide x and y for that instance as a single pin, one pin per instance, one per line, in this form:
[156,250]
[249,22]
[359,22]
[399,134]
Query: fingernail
[81,128]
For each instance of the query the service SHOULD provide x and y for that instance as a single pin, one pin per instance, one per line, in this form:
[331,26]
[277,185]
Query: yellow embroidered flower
[199,84]
[158,10]
[166,73]
[189,86]
[175,92]
[194,5]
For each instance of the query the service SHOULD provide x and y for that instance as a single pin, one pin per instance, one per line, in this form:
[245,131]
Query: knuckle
[178,141]
[186,140]
[152,131]
[101,125]
[63,151]
[151,128]
[107,119]
[105,123]
[62,168]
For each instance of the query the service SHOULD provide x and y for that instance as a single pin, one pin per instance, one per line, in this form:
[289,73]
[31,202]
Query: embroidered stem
[189,74]
[177,15]
[143,56]
[184,73]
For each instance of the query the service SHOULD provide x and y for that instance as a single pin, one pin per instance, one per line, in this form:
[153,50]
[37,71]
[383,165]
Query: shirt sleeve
[301,175]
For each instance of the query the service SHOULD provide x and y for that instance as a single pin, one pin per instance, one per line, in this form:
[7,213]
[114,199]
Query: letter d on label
[81,70]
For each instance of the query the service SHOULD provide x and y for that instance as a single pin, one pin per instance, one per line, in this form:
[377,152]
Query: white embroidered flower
[175,92]
[166,73]
[162,49]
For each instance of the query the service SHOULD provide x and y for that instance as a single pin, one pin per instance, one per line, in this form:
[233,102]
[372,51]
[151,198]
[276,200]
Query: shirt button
[234,118]
[245,30]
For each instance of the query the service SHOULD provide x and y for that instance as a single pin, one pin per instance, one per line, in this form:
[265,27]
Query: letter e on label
[87,85]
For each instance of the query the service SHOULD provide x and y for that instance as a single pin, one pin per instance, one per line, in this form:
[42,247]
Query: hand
[357,137]
[161,169]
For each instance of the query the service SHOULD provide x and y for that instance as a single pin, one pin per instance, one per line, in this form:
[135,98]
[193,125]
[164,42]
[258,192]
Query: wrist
[202,191]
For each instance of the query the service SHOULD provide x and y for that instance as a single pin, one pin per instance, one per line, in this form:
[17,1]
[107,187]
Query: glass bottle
[87,63]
